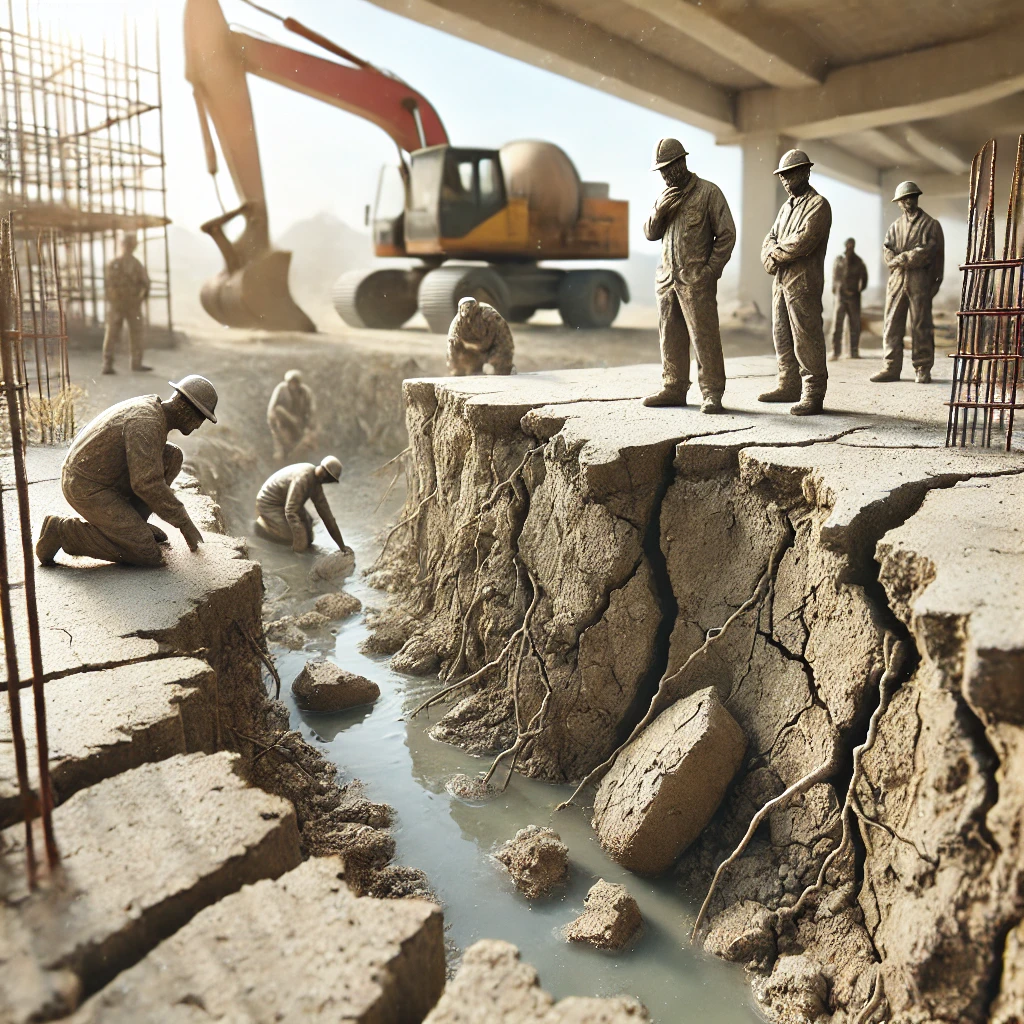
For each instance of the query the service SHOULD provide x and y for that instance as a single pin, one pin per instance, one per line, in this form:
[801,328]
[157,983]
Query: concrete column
[762,195]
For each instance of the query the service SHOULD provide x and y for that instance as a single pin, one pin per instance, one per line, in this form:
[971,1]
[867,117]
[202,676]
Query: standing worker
[693,221]
[794,254]
[849,279]
[291,415]
[119,471]
[126,284]
[281,504]
[914,252]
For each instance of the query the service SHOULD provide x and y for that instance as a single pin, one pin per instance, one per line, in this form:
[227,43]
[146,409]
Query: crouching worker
[281,504]
[291,415]
[119,471]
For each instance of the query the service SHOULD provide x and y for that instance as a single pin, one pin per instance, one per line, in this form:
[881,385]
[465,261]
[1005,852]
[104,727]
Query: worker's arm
[661,215]
[837,274]
[768,247]
[808,235]
[890,253]
[293,504]
[724,228]
[327,516]
[144,440]
[863,276]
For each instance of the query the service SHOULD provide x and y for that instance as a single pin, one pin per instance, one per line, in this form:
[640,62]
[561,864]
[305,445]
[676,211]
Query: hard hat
[200,392]
[904,189]
[292,375]
[332,467]
[466,299]
[667,151]
[791,160]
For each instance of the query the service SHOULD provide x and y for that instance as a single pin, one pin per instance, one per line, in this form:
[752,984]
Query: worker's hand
[707,275]
[193,538]
[770,265]
[346,550]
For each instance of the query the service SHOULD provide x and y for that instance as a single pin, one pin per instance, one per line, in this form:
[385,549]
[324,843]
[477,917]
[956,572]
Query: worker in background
[281,504]
[126,284]
[849,279]
[693,221]
[479,335]
[291,415]
[914,252]
[119,471]
[794,254]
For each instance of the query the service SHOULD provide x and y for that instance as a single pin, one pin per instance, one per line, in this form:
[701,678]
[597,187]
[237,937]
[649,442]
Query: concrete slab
[254,957]
[142,853]
[105,722]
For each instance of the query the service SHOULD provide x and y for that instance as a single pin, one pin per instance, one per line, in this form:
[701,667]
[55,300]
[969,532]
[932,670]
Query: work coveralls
[117,473]
[289,416]
[697,237]
[281,506]
[911,288]
[794,252]
[849,279]
[479,335]
[126,284]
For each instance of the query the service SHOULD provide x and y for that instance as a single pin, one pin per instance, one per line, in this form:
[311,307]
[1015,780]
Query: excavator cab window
[389,213]
[453,191]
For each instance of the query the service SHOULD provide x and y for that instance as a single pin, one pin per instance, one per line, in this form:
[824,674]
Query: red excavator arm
[252,290]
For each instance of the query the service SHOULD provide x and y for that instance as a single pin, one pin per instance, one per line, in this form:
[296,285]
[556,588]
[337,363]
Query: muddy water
[452,840]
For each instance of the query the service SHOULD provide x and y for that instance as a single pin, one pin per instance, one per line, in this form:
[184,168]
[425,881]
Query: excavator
[505,210]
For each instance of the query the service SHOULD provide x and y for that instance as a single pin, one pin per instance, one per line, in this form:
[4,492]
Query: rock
[610,920]
[743,933]
[338,606]
[334,566]
[323,687]
[665,785]
[301,948]
[362,847]
[283,631]
[537,860]
[418,657]
[312,622]
[473,789]
[796,992]
[397,882]
[492,986]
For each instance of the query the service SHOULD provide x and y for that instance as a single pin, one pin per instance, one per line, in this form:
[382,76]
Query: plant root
[265,658]
[874,1000]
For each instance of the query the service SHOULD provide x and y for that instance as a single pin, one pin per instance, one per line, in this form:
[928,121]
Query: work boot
[809,405]
[854,353]
[835,354]
[142,369]
[49,540]
[780,395]
[711,404]
[109,370]
[666,397]
[158,535]
[923,375]
[886,375]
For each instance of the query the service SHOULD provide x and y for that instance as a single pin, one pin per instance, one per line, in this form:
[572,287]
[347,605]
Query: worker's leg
[501,356]
[111,338]
[173,458]
[271,519]
[307,521]
[110,529]
[136,337]
[699,305]
[785,355]
[853,312]
[922,331]
[808,331]
[839,312]
[895,326]
[675,343]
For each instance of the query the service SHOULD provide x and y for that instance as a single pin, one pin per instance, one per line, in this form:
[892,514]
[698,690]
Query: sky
[317,158]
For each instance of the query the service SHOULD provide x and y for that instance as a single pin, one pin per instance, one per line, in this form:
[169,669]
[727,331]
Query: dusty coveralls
[126,284]
[911,288]
[849,279]
[697,236]
[118,472]
[281,506]
[479,335]
[289,416]
[797,243]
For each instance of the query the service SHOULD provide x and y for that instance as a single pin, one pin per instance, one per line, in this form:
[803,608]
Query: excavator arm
[252,290]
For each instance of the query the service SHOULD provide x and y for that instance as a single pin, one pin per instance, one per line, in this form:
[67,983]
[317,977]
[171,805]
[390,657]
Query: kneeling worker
[119,471]
[291,415]
[281,504]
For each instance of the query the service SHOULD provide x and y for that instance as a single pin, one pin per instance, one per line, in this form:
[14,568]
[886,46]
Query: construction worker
[914,252]
[479,335]
[693,221]
[291,415]
[119,471]
[281,504]
[126,284]
[794,254]
[849,279]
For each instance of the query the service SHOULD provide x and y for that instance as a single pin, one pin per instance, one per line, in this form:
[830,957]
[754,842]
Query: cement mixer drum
[543,174]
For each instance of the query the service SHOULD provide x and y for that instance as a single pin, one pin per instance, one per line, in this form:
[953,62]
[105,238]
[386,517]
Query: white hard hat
[332,467]
[292,375]
[199,392]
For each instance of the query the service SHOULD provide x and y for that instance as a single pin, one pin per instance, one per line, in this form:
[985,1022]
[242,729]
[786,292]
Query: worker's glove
[346,550]
[193,538]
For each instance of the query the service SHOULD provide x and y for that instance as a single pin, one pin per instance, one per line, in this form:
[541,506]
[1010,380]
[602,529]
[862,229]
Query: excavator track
[441,290]
[380,299]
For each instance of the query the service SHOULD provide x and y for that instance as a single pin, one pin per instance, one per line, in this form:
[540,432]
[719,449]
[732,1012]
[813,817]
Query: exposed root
[658,701]
[265,658]
[410,518]
[874,1001]
[401,455]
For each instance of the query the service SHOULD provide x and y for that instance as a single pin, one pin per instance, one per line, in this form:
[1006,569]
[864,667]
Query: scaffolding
[81,161]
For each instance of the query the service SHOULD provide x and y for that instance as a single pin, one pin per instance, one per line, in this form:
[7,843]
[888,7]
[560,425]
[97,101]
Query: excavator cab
[389,212]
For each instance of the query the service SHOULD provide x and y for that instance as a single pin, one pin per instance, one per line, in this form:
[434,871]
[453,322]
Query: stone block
[610,920]
[323,687]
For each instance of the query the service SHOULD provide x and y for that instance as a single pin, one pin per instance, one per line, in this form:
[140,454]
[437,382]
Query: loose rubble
[537,860]
[338,606]
[610,920]
[323,687]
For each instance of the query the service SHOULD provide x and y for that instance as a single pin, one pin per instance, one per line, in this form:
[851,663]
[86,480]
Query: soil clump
[537,860]
[610,919]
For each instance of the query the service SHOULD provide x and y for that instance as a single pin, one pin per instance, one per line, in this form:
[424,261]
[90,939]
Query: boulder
[537,860]
[323,687]
[668,782]
[338,606]
[283,631]
[610,919]
[312,622]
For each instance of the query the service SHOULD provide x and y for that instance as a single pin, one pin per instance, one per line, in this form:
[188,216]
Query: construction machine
[504,209]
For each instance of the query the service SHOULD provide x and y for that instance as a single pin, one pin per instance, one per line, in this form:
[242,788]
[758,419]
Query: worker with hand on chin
[281,513]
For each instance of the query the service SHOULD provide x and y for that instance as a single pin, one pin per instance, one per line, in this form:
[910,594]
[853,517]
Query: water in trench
[452,840]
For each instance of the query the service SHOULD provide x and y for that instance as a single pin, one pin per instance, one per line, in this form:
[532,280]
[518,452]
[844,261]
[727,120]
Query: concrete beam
[776,52]
[916,86]
[939,153]
[837,163]
[567,46]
